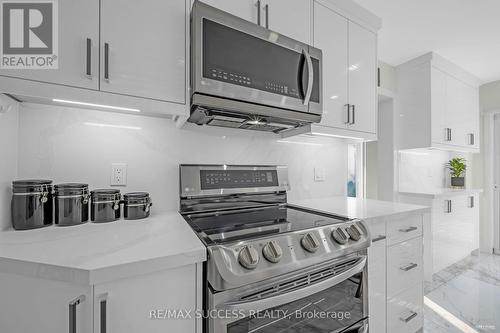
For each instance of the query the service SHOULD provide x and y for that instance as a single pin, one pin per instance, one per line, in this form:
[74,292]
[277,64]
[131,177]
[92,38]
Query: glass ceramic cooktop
[235,225]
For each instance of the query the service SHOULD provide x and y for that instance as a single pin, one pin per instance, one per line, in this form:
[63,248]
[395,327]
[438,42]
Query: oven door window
[333,310]
[234,57]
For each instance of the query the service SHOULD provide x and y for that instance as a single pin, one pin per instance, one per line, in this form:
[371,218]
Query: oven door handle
[271,302]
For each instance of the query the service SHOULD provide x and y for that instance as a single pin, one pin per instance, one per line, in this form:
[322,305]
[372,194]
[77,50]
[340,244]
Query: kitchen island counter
[95,253]
[359,208]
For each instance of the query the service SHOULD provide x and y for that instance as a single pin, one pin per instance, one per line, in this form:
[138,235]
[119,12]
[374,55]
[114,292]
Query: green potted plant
[457,169]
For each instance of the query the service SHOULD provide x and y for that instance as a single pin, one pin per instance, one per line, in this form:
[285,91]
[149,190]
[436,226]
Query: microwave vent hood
[248,77]
[213,111]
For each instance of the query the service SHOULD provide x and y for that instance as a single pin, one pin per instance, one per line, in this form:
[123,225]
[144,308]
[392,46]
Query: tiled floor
[465,297]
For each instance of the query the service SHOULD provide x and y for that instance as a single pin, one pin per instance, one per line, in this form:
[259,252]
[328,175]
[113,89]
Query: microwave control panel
[246,81]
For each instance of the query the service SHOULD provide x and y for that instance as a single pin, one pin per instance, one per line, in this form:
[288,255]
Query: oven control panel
[222,179]
[252,260]
[288,248]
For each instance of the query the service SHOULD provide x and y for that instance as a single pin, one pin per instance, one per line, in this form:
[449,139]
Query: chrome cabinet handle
[409,229]
[266,9]
[471,139]
[471,201]
[447,134]
[412,315]
[448,206]
[258,11]
[72,312]
[106,61]
[348,120]
[310,77]
[408,267]
[103,307]
[88,71]
[353,115]
[378,238]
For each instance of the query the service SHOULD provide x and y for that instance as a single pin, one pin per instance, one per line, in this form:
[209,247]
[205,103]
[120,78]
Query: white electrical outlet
[118,174]
[319,175]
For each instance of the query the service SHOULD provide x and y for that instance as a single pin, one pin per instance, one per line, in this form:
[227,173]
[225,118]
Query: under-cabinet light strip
[102,106]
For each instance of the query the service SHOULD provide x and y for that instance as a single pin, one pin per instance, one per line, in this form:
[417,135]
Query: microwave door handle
[310,77]
[271,302]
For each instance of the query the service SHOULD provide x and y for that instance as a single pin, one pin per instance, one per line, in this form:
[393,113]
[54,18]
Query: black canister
[32,203]
[105,205]
[71,204]
[136,205]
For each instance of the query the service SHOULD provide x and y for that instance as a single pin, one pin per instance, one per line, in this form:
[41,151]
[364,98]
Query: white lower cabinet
[455,229]
[30,304]
[404,266]
[395,275]
[136,304]
[377,278]
[405,311]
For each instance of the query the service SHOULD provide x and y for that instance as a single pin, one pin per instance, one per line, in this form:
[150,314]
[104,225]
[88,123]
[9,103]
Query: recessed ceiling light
[102,106]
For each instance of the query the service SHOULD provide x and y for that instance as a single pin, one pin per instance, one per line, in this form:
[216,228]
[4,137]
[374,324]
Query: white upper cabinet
[143,49]
[349,76]
[439,105]
[362,79]
[78,48]
[245,9]
[291,18]
[335,64]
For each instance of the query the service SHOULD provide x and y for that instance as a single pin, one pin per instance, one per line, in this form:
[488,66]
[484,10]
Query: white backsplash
[8,164]
[77,145]
[424,171]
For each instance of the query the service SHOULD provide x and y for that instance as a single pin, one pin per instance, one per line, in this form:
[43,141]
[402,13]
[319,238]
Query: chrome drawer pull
[72,312]
[410,317]
[410,229]
[378,239]
[408,267]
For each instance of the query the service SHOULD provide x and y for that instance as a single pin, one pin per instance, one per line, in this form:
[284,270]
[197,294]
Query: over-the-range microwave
[246,76]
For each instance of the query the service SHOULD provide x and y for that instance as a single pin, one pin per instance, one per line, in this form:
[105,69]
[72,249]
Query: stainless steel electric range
[273,267]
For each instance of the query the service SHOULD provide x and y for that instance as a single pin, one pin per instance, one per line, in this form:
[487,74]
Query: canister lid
[71,188]
[104,193]
[136,195]
[31,186]
[31,182]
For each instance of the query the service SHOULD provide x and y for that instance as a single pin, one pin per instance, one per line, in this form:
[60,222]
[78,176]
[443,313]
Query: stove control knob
[248,257]
[310,243]
[339,236]
[272,252]
[353,231]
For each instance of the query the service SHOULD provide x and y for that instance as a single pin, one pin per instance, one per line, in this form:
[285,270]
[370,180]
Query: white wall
[60,144]
[8,153]
[489,95]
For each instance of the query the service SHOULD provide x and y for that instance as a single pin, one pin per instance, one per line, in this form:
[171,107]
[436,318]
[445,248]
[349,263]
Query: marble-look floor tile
[470,291]
[433,323]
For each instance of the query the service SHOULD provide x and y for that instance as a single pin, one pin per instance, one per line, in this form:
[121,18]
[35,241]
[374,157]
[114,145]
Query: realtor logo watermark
[29,34]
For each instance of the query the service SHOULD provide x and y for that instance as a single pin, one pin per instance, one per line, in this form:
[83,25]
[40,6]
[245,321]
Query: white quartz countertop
[95,253]
[445,192]
[358,208]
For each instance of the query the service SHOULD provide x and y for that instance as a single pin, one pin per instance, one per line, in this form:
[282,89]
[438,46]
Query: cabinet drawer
[405,311]
[400,230]
[404,266]
[378,233]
